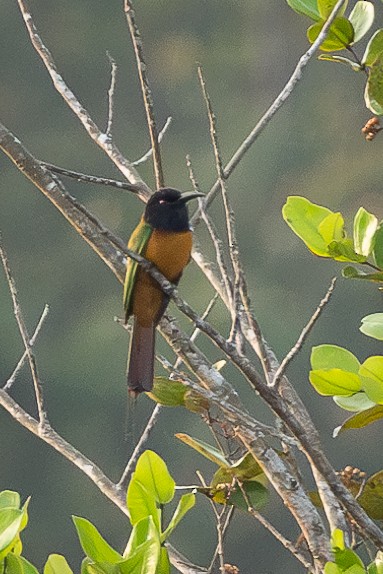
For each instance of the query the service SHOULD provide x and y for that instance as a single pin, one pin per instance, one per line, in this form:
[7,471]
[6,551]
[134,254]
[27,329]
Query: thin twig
[275,106]
[149,153]
[21,362]
[146,91]
[102,139]
[303,336]
[140,445]
[237,308]
[111,92]
[277,535]
[91,178]
[26,339]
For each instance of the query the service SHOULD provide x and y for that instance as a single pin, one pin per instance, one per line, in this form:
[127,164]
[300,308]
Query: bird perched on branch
[164,238]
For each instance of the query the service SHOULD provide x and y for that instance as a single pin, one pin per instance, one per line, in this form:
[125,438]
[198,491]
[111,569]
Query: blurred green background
[313,147]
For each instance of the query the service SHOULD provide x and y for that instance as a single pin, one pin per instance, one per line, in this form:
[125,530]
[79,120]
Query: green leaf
[365,226]
[10,526]
[376,567]
[18,565]
[335,382]
[186,502]
[378,247]
[352,273]
[141,503]
[9,499]
[337,539]
[332,228]
[305,218]
[89,567]
[371,373]
[355,403]
[361,419]
[205,449]
[325,8]
[163,566]
[332,356]
[339,37]
[246,468]
[371,499]
[142,553]
[57,564]
[372,326]
[332,568]
[168,392]
[306,7]
[362,18]
[257,496]
[373,94]
[93,544]
[374,48]
[343,250]
[152,472]
[341,60]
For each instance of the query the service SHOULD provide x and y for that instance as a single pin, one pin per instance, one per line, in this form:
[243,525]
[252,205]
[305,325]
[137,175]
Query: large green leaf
[152,472]
[306,7]
[19,565]
[57,564]
[10,526]
[361,419]
[142,553]
[325,7]
[339,37]
[373,94]
[365,226]
[372,326]
[335,382]
[362,18]
[9,499]
[371,373]
[186,502]
[378,247]
[141,503]
[374,48]
[305,219]
[332,356]
[163,566]
[343,250]
[93,544]
[204,448]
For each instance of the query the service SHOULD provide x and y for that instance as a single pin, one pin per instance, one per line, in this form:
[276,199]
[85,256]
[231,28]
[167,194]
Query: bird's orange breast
[170,253]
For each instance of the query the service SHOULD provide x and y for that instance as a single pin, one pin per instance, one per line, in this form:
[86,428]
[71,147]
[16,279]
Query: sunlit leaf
[186,502]
[163,566]
[168,392]
[362,18]
[365,226]
[306,7]
[204,448]
[152,472]
[371,373]
[372,326]
[378,247]
[332,356]
[9,499]
[373,49]
[373,94]
[361,419]
[142,553]
[57,564]
[19,565]
[141,503]
[335,382]
[343,250]
[93,544]
[325,8]
[305,218]
[339,37]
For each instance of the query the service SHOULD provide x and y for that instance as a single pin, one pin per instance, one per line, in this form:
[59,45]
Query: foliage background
[313,148]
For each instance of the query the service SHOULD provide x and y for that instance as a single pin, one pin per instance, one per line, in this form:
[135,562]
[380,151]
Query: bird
[163,237]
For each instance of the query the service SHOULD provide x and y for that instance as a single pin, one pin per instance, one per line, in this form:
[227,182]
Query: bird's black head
[167,210]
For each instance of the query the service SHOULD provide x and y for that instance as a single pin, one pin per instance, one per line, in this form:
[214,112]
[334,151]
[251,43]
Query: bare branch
[26,340]
[111,91]
[149,153]
[140,445]
[102,139]
[303,336]
[146,91]
[272,110]
[21,362]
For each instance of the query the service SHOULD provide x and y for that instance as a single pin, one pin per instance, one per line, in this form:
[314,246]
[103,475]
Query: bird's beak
[188,195]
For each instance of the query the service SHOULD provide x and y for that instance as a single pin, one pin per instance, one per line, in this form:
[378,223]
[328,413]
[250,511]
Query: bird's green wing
[137,243]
